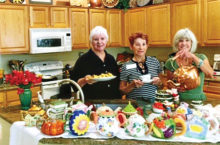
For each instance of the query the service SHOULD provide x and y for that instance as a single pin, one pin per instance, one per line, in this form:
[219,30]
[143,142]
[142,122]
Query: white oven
[47,40]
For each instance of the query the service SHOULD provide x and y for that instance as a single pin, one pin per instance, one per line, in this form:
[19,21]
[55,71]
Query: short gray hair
[98,30]
[184,34]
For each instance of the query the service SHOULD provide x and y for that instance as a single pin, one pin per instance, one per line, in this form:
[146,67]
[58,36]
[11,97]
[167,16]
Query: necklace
[141,65]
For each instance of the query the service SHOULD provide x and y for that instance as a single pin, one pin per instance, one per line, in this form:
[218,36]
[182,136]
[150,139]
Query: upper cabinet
[187,15]
[135,21]
[114,27]
[13,29]
[158,25]
[80,27]
[44,17]
[97,17]
[211,22]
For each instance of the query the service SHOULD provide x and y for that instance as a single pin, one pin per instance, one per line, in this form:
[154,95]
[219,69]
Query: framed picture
[40,1]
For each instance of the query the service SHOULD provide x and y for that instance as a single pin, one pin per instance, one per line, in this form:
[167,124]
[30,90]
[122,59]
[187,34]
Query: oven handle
[49,86]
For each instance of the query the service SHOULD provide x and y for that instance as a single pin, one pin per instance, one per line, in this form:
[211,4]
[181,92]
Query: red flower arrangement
[22,79]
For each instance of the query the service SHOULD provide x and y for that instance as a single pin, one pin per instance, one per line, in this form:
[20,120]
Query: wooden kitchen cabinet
[211,22]
[158,25]
[212,90]
[79,24]
[97,17]
[186,15]
[135,21]
[13,29]
[44,17]
[11,98]
[114,27]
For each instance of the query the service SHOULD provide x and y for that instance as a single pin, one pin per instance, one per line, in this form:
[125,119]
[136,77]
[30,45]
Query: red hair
[137,35]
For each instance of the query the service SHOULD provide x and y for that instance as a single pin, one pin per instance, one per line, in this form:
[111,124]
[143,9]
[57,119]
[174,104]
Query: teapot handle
[183,124]
[48,113]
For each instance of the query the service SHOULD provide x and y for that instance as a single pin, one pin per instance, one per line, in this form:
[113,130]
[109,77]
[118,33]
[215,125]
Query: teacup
[145,78]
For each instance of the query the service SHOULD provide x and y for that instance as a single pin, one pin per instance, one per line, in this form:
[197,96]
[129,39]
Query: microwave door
[50,44]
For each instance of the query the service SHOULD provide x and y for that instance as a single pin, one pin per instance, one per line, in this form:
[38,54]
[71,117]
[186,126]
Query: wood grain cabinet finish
[158,25]
[97,17]
[11,98]
[211,27]
[114,27]
[13,29]
[212,90]
[187,15]
[44,17]
[79,24]
[135,21]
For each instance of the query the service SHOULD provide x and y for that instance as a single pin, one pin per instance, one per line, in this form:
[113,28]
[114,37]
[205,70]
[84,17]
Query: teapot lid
[107,113]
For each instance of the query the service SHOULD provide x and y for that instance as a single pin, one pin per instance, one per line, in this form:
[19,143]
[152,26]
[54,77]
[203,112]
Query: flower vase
[25,97]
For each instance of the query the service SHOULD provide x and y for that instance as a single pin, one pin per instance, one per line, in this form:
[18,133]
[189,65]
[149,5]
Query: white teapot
[136,126]
[106,122]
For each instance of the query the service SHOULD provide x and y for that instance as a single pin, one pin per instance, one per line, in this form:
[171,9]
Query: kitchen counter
[12,114]
[214,79]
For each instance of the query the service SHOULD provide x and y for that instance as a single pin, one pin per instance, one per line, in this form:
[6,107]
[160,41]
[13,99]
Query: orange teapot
[185,77]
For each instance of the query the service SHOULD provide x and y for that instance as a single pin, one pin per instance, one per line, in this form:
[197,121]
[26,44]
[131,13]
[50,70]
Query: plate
[110,3]
[148,81]
[142,3]
[104,79]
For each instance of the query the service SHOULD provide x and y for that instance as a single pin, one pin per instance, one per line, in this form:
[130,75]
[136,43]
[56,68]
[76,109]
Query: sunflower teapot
[106,121]
[186,77]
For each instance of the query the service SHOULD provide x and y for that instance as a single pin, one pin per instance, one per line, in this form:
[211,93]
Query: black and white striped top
[130,71]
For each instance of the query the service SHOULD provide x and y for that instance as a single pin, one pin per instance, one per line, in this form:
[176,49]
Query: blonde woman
[184,46]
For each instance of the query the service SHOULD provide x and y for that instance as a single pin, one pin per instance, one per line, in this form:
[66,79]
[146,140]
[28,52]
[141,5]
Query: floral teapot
[186,77]
[106,121]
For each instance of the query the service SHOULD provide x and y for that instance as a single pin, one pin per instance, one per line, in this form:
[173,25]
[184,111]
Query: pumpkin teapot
[186,77]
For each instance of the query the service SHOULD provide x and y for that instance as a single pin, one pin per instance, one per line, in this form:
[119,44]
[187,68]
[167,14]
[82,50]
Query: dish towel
[23,135]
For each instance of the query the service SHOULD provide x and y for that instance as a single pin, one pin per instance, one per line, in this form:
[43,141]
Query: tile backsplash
[71,57]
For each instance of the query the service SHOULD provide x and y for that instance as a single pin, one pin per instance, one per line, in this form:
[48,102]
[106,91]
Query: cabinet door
[13,29]
[39,17]
[2,98]
[211,27]
[135,21]
[186,15]
[114,27]
[211,90]
[158,25]
[59,17]
[97,18]
[80,27]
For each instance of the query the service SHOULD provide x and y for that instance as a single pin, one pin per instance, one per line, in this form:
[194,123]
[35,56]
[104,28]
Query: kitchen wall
[71,57]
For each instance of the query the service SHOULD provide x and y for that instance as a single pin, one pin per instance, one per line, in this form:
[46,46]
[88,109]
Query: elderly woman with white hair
[184,46]
[95,62]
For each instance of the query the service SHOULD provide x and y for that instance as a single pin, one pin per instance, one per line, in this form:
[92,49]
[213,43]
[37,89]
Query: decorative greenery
[123,4]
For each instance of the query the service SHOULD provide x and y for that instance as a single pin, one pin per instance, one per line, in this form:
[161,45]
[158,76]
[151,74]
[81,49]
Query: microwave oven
[48,40]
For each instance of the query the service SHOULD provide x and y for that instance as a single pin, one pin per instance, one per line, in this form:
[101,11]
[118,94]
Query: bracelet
[200,63]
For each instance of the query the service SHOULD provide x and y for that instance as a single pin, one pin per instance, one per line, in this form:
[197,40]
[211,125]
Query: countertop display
[12,114]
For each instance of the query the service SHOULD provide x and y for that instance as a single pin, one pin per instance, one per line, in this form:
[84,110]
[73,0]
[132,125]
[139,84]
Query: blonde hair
[184,34]
[98,30]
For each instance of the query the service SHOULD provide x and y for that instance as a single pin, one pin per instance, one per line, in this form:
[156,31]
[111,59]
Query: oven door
[49,89]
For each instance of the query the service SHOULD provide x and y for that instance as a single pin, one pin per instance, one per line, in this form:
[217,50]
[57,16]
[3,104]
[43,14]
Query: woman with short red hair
[139,65]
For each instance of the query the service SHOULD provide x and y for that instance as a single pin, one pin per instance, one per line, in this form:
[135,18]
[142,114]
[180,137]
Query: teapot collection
[79,118]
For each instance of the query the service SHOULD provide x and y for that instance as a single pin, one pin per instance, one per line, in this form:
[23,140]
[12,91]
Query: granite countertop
[12,114]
